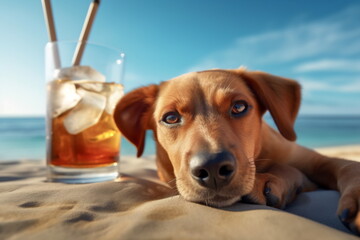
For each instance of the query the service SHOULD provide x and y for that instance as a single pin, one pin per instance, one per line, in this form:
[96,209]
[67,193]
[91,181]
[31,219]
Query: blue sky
[315,42]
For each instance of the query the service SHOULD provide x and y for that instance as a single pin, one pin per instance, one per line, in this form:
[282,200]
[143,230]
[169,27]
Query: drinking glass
[83,141]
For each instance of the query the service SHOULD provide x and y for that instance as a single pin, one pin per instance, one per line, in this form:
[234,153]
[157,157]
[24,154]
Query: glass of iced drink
[83,142]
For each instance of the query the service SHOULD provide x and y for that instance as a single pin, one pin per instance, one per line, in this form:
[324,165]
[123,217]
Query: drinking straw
[49,20]
[85,32]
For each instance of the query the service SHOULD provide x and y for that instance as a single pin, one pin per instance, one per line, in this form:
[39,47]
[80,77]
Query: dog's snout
[212,170]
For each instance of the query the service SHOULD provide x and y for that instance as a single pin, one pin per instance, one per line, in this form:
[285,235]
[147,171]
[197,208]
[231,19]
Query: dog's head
[207,126]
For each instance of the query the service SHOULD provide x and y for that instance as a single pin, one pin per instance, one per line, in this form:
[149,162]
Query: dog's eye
[239,108]
[171,118]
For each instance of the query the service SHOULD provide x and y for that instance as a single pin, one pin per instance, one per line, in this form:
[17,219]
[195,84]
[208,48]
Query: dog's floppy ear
[281,96]
[133,114]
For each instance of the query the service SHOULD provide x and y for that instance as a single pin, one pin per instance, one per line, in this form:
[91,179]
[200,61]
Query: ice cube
[79,73]
[86,113]
[62,96]
[90,85]
[113,93]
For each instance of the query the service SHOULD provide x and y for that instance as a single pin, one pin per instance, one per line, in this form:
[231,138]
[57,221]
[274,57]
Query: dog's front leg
[334,173]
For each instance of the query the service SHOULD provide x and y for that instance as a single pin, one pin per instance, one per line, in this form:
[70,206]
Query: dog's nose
[213,170]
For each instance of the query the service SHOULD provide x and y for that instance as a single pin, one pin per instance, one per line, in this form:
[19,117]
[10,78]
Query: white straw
[49,20]
[85,32]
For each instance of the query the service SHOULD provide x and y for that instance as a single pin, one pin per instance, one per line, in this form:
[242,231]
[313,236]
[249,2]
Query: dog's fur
[266,166]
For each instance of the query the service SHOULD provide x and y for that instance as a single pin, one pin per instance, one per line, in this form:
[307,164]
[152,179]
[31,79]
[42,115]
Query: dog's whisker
[251,160]
[263,159]
[174,191]
[207,199]
[171,181]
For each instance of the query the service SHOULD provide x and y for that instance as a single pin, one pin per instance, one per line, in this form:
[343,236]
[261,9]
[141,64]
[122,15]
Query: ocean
[24,138]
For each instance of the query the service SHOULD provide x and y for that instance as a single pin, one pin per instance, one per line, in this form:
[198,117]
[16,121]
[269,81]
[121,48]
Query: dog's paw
[278,194]
[272,191]
[278,186]
[349,203]
[349,209]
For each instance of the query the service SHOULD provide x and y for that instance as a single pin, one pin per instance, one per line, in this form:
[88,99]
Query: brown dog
[213,145]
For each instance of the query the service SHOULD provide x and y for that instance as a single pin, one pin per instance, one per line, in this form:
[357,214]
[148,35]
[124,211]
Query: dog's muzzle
[213,171]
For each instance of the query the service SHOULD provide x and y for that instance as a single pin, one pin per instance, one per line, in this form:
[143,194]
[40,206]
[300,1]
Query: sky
[314,42]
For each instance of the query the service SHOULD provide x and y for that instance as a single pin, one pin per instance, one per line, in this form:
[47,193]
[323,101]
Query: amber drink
[83,141]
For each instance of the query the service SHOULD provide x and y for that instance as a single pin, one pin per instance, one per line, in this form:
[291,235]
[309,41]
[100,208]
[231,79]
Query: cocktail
[83,87]
[83,141]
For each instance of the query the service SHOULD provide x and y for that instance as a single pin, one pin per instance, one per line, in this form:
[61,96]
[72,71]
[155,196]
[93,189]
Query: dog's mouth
[211,198]
[220,201]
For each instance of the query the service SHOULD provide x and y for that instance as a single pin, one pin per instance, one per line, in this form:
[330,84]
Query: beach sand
[139,206]
[349,152]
